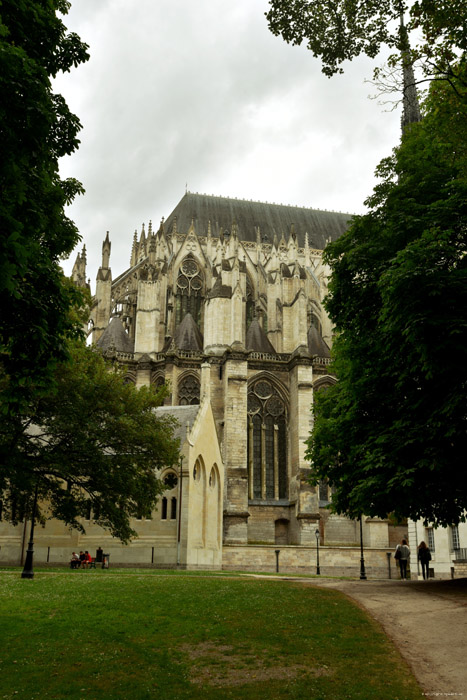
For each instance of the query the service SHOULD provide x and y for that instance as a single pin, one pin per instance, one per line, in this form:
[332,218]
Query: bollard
[278,551]
[388,554]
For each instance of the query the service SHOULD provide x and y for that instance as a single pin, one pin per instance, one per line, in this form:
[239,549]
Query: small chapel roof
[256,338]
[185,416]
[115,337]
[222,212]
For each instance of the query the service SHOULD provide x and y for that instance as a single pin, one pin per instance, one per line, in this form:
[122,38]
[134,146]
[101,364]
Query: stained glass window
[189,292]
[267,442]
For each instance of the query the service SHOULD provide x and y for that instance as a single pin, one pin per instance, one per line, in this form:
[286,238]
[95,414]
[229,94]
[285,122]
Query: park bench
[104,562]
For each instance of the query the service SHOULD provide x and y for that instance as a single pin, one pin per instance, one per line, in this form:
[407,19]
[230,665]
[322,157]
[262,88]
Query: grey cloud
[201,93]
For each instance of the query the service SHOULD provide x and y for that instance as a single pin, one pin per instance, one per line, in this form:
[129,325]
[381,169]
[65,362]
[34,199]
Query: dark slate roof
[256,338]
[183,414]
[115,337]
[188,336]
[272,219]
[316,344]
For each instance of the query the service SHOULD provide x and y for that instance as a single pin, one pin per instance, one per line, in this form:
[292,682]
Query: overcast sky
[199,94]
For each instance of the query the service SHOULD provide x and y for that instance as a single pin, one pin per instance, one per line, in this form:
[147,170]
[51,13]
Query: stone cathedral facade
[224,301]
[224,305]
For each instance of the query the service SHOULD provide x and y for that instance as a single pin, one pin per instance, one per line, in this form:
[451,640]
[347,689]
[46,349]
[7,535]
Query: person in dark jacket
[424,557]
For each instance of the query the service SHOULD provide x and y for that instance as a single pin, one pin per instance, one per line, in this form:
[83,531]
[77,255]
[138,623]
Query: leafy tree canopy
[339,30]
[94,441]
[391,434]
[36,129]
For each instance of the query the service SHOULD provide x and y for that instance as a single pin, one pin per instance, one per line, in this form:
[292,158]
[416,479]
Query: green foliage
[391,434]
[93,441]
[340,30]
[36,129]
[146,636]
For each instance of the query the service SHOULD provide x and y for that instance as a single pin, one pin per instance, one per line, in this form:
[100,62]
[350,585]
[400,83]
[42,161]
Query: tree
[36,130]
[391,434]
[93,442]
[340,30]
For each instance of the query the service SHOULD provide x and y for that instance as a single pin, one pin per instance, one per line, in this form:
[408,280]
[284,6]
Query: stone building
[448,547]
[224,301]
[224,304]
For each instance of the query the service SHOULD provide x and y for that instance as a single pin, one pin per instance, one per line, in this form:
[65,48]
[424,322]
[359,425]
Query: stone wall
[334,561]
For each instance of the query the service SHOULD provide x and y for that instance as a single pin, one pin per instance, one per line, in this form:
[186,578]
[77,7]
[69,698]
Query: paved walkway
[427,620]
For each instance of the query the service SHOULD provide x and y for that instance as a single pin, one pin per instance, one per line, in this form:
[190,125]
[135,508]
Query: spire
[410,106]
[142,252]
[134,250]
[307,251]
[106,246]
[78,274]
[152,247]
[258,236]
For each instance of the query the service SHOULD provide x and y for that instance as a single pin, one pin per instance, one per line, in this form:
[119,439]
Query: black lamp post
[362,560]
[28,571]
[318,573]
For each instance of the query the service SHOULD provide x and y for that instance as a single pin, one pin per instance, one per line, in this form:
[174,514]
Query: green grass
[77,635]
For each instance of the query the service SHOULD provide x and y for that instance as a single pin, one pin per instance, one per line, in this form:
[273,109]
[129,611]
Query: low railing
[460,554]
[322,360]
[190,354]
[281,357]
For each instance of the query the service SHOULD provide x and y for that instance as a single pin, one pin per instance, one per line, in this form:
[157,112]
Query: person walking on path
[402,554]
[424,557]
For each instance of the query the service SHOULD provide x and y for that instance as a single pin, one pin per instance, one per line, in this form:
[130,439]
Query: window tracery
[267,442]
[188,391]
[189,293]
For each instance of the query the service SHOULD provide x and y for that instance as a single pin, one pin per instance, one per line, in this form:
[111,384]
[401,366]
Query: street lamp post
[362,560]
[180,493]
[28,571]
[318,573]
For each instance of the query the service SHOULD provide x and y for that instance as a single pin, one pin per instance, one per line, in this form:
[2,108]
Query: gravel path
[427,620]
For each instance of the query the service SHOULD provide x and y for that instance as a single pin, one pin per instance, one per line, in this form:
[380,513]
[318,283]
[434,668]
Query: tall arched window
[267,442]
[188,391]
[189,292]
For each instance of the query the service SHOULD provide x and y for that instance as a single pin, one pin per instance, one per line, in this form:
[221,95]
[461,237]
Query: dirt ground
[427,620]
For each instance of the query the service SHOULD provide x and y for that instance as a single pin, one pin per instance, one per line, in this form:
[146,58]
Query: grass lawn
[86,634]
